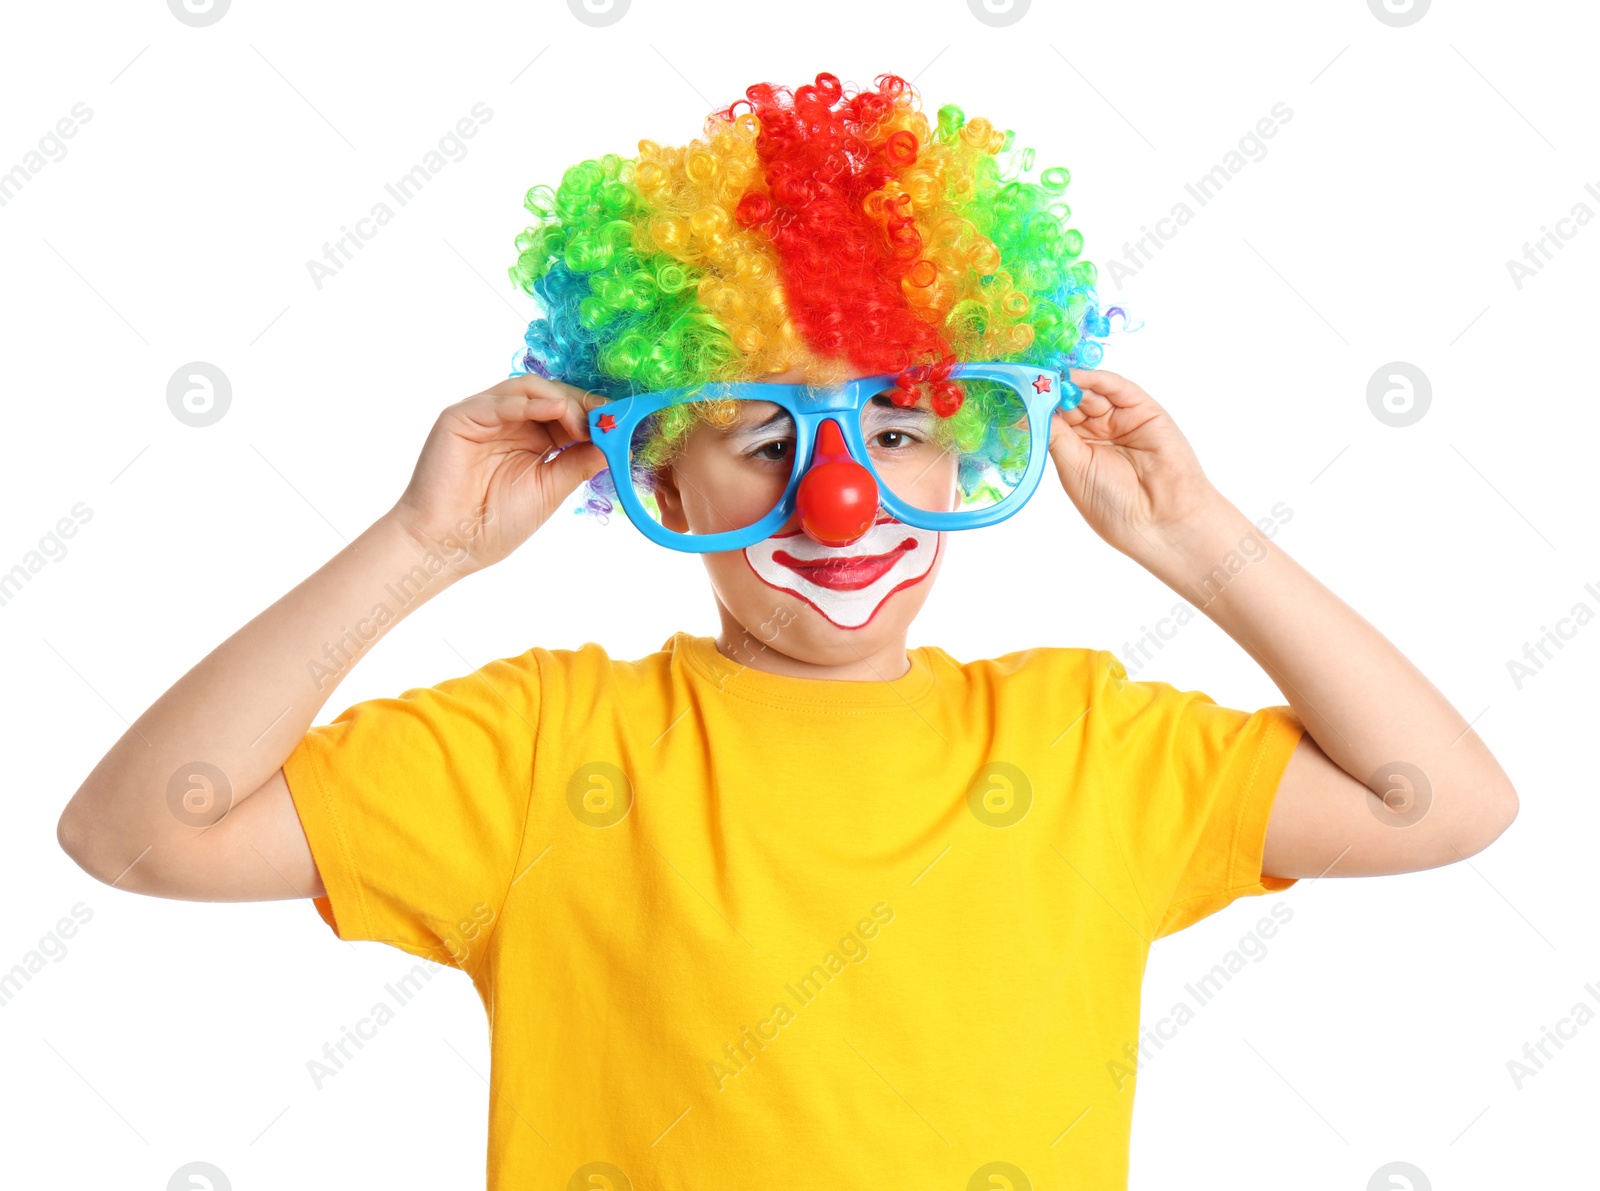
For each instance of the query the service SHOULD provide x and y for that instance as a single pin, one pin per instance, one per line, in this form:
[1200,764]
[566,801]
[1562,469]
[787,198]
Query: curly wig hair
[828,229]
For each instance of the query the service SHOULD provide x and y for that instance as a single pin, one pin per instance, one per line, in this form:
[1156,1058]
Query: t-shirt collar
[707,663]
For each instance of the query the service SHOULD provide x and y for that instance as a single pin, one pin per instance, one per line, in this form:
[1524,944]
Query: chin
[849,588]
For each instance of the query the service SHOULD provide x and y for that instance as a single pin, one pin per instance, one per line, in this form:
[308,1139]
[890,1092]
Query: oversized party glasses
[841,456]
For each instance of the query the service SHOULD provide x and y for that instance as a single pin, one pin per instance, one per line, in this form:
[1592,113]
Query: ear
[669,500]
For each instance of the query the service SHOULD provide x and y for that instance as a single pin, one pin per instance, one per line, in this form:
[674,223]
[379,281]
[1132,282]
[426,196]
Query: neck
[849,659]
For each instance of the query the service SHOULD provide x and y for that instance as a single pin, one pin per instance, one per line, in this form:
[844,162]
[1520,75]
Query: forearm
[242,709]
[1360,698]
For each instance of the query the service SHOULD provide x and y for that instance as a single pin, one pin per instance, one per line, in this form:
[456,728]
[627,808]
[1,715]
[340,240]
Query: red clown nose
[837,498]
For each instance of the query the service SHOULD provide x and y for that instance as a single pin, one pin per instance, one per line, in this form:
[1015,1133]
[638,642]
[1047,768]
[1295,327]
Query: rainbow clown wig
[831,230]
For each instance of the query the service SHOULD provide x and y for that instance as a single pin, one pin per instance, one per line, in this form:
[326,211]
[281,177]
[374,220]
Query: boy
[796,905]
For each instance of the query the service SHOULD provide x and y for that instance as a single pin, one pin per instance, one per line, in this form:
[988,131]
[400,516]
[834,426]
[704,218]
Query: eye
[888,427]
[773,451]
[900,439]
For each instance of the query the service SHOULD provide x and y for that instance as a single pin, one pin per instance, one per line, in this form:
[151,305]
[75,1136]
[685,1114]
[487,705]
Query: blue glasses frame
[611,428]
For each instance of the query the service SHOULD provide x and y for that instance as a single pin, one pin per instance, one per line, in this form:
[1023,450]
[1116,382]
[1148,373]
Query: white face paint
[847,584]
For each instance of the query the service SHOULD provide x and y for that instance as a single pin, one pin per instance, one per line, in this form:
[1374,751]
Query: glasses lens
[712,466]
[967,462]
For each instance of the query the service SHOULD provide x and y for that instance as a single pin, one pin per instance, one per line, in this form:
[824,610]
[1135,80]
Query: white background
[1377,227]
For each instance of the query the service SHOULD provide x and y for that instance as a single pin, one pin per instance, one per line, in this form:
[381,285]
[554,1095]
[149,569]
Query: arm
[1389,777]
[150,820]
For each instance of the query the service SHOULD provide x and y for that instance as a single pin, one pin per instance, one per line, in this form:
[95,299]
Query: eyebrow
[782,415]
[882,403]
[779,416]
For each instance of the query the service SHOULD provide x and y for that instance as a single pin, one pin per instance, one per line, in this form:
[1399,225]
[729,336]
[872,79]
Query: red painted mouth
[845,574]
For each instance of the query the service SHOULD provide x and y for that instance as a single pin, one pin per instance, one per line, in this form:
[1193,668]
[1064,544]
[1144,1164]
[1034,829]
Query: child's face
[817,603]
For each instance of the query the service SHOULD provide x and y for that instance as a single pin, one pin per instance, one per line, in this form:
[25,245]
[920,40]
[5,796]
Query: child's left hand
[1127,467]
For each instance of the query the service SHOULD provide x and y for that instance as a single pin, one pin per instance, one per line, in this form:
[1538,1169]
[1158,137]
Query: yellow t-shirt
[738,929]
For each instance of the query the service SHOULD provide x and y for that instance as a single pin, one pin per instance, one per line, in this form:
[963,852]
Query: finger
[540,437]
[532,385]
[559,413]
[573,466]
[509,411]
[556,432]
[1094,405]
[1068,448]
[1118,390]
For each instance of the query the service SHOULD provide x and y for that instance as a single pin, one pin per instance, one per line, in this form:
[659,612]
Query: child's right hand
[482,482]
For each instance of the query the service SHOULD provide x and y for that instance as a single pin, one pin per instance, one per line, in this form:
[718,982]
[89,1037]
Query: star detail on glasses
[607,422]
[1042,384]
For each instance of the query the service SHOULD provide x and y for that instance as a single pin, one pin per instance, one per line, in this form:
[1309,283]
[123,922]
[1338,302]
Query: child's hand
[482,482]
[1127,467]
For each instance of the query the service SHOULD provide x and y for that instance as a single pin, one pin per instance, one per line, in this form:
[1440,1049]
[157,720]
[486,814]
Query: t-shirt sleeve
[1192,786]
[415,809]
